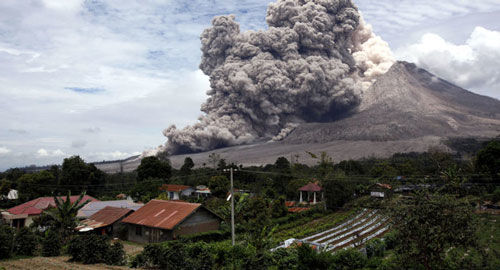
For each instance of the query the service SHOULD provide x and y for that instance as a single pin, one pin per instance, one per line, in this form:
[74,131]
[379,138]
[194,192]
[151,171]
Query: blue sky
[102,79]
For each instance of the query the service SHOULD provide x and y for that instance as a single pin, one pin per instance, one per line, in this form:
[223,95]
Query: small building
[379,190]
[23,214]
[202,191]
[105,221]
[174,192]
[311,188]
[93,207]
[160,220]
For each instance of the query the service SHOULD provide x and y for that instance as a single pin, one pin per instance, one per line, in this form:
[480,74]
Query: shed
[175,192]
[105,221]
[161,220]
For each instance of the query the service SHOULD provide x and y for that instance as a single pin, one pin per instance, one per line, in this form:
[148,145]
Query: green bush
[7,239]
[91,249]
[348,259]
[375,248]
[285,259]
[211,236]
[25,242]
[51,244]
[391,240]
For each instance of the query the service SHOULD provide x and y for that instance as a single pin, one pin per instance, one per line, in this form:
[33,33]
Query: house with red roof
[174,192]
[311,188]
[160,220]
[23,214]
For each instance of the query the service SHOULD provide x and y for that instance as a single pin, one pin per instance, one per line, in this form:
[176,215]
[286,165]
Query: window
[138,230]
[171,195]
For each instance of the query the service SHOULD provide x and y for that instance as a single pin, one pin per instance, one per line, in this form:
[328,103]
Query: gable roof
[176,188]
[104,217]
[162,214]
[37,206]
[312,187]
[93,207]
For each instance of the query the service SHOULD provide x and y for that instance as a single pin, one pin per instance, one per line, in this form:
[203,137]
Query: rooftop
[37,206]
[104,217]
[92,207]
[176,188]
[311,187]
[162,214]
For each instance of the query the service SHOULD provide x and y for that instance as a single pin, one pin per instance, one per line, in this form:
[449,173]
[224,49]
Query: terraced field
[366,225]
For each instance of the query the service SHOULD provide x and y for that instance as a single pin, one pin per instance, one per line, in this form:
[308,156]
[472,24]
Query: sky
[102,79]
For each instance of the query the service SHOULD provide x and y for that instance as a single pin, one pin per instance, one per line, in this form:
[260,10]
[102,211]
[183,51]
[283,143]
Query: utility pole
[232,207]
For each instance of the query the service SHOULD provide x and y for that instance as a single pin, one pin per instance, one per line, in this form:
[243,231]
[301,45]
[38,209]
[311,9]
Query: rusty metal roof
[37,206]
[162,214]
[104,217]
[177,188]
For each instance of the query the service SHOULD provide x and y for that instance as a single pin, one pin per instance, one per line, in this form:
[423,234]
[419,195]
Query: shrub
[285,258]
[375,248]
[391,240]
[91,249]
[348,259]
[115,254]
[51,244]
[25,242]
[212,236]
[7,239]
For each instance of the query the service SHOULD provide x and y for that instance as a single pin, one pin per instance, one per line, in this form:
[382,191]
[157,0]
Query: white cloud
[4,150]
[41,153]
[472,65]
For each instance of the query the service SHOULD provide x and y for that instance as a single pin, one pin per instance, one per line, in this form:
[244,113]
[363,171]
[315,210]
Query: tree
[337,192]
[51,244]
[25,242]
[65,213]
[488,160]
[219,186]
[146,190]
[187,166]
[79,175]
[282,164]
[152,167]
[7,240]
[428,225]
[31,186]
[213,159]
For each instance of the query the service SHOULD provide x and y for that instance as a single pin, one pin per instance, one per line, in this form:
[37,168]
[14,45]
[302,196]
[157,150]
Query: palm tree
[65,213]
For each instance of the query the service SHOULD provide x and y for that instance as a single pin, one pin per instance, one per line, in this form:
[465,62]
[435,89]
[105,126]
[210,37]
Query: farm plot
[366,225]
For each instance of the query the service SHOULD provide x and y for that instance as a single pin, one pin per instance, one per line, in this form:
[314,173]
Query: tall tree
[187,166]
[429,224]
[152,167]
[488,160]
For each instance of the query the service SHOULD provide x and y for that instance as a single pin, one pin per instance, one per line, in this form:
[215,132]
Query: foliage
[146,190]
[51,244]
[285,259]
[7,240]
[309,258]
[31,186]
[348,259]
[91,249]
[187,166]
[80,176]
[337,193]
[65,212]
[375,248]
[211,236]
[278,207]
[152,167]
[488,160]
[430,224]
[219,186]
[25,242]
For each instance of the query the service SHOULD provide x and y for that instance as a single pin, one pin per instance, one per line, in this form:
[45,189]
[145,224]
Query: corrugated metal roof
[37,206]
[162,214]
[104,217]
[312,187]
[177,188]
[92,207]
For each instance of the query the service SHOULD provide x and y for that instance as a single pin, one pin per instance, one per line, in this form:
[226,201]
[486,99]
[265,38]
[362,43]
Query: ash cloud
[311,64]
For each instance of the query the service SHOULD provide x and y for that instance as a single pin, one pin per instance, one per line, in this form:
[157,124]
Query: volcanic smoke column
[312,64]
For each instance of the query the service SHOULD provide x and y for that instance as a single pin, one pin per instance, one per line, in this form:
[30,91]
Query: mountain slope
[409,102]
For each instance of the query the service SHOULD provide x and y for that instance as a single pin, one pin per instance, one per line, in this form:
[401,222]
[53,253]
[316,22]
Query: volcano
[407,109]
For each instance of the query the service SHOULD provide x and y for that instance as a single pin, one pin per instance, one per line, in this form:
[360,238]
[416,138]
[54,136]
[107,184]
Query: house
[160,220]
[93,207]
[23,214]
[202,191]
[105,221]
[313,188]
[175,192]
[379,190]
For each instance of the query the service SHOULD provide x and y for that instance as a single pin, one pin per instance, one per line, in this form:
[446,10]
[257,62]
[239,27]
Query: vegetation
[7,240]
[91,249]
[64,214]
